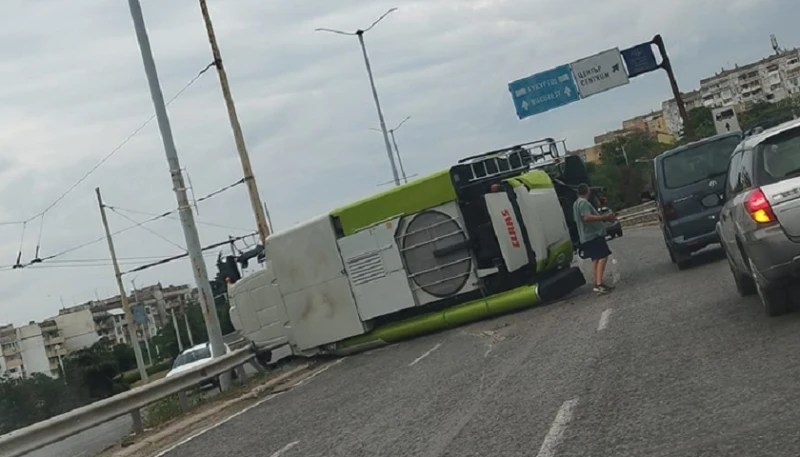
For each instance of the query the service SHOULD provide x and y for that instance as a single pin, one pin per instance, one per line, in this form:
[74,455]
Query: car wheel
[745,285]
[775,300]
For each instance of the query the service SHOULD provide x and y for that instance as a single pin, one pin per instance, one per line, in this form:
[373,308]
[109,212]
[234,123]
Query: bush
[132,377]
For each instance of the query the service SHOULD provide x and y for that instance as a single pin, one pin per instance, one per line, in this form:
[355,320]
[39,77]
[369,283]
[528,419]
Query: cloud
[73,88]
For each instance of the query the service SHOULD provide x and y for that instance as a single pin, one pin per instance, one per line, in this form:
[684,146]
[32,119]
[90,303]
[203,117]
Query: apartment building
[672,115]
[11,356]
[772,79]
[41,347]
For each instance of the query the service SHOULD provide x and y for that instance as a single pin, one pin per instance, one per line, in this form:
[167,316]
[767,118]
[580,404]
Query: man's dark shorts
[596,249]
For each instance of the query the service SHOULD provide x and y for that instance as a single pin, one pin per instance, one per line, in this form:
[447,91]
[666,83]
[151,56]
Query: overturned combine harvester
[491,235]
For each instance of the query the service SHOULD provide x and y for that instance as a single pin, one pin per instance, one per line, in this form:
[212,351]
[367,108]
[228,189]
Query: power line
[119,146]
[149,230]
[138,224]
[99,264]
[210,224]
[180,256]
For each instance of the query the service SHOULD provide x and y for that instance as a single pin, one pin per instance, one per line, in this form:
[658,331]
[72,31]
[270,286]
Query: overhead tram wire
[69,190]
[180,256]
[120,146]
[106,264]
[198,222]
[148,229]
[120,231]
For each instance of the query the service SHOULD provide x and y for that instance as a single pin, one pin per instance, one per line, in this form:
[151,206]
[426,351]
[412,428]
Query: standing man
[592,233]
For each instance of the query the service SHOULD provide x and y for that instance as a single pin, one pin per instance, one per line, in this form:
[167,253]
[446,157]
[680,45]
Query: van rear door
[690,184]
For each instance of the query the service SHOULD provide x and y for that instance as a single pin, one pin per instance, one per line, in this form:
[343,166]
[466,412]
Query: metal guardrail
[636,209]
[640,217]
[36,436]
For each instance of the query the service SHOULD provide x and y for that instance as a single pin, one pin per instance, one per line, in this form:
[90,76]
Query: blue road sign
[640,59]
[139,314]
[544,91]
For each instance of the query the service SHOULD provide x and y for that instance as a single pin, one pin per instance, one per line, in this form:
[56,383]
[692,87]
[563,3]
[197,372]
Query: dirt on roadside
[209,413]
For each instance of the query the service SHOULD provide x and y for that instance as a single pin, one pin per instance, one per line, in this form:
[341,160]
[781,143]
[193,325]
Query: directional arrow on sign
[524,105]
[567,91]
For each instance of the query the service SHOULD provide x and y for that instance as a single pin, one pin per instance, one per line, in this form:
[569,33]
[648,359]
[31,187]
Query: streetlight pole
[396,150]
[193,246]
[360,34]
[238,136]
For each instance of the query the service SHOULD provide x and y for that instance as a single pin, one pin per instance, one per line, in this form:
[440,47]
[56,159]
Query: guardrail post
[183,401]
[136,416]
[242,375]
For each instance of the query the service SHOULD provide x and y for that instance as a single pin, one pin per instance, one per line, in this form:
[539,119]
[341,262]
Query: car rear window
[192,356]
[698,163]
[778,157]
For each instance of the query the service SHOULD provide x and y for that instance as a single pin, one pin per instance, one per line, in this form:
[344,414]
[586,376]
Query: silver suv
[759,224]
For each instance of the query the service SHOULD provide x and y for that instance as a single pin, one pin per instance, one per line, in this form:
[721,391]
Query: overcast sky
[72,88]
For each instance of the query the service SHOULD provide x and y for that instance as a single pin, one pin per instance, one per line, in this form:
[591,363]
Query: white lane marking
[254,405]
[556,433]
[604,320]
[418,359]
[317,373]
[211,427]
[283,450]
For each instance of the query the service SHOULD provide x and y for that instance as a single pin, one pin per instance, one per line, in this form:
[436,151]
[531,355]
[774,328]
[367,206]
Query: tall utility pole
[137,350]
[396,150]
[360,34]
[238,136]
[193,247]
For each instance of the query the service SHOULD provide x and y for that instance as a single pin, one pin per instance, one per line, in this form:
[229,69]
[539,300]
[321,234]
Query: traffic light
[229,270]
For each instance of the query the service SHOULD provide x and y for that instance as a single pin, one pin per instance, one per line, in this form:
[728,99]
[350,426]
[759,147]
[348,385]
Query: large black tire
[776,300]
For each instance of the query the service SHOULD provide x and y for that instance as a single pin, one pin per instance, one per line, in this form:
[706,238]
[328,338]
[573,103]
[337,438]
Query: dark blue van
[689,185]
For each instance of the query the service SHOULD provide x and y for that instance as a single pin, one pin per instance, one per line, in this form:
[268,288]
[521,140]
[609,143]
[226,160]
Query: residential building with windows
[11,355]
[672,115]
[771,79]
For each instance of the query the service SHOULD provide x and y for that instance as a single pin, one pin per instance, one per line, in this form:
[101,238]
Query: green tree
[124,356]
[769,114]
[626,169]
[94,372]
[702,123]
[89,375]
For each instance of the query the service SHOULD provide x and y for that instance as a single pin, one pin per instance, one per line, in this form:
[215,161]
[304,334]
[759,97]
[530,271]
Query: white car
[193,357]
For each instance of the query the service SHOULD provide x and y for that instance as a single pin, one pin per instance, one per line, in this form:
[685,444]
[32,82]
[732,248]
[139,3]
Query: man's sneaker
[602,289]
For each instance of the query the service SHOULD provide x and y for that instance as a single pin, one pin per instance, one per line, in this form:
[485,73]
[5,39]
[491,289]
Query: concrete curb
[186,422]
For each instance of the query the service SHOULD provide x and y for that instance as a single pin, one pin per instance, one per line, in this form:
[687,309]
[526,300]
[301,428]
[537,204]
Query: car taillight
[669,212]
[759,208]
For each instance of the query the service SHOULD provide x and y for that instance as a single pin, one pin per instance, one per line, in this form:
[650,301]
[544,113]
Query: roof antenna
[775,47]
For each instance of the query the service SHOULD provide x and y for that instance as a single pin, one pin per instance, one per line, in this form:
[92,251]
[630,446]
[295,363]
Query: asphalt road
[89,443]
[671,364]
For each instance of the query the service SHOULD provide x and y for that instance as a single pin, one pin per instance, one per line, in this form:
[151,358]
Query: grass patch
[167,409]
